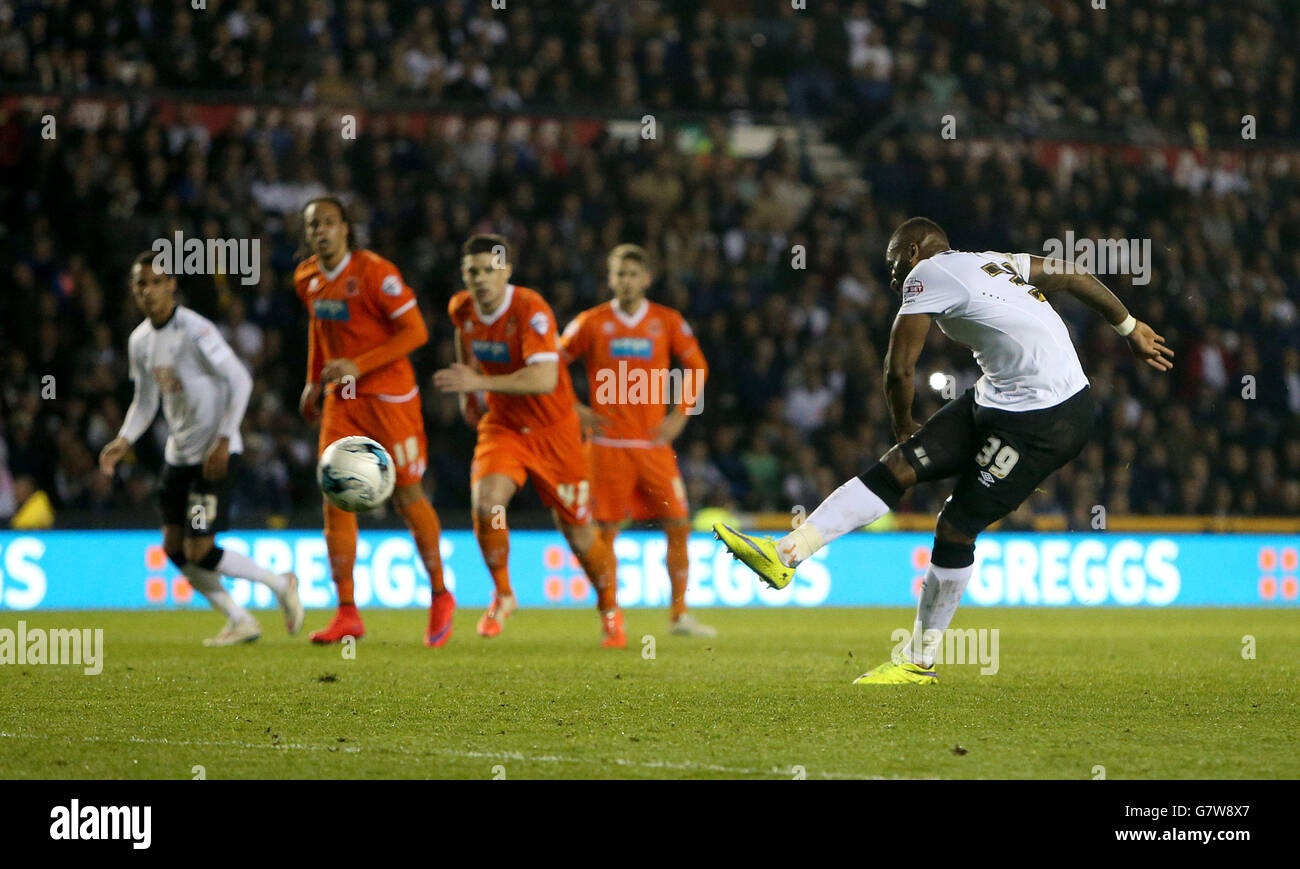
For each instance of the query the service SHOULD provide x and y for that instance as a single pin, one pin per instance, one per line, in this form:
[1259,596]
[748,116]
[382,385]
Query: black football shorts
[998,456]
[198,505]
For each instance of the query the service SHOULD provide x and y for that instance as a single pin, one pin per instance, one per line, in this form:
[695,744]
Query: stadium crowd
[1136,69]
[794,336]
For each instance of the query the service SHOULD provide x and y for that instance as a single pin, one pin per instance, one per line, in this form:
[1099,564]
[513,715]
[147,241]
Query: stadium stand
[1088,129]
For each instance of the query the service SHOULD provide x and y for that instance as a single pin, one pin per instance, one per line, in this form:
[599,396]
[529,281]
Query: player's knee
[201,551]
[486,511]
[900,467]
[406,496]
[951,554]
[884,483]
[947,532]
[580,537]
[175,554]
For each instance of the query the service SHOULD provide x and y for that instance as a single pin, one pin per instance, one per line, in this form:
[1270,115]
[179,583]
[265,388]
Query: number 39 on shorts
[998,461]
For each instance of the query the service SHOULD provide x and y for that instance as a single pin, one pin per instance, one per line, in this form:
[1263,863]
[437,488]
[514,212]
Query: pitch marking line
[683,766]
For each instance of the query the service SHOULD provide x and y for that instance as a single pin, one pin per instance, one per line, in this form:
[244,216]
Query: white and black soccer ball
[356,474]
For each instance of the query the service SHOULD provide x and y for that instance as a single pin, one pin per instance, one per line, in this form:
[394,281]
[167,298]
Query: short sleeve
[928,289]
[388,292]
[683,343]
[539,341]
[576,340]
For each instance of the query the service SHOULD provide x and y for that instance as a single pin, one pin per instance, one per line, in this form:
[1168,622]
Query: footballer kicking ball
[356,474]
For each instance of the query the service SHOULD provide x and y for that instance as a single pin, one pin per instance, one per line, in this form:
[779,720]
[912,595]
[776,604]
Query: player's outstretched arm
[1055,276]
[905,342]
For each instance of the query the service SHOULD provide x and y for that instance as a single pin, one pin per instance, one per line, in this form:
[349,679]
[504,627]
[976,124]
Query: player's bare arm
[592,422]
[309,404]
[674,421]
[669,427]
[538,378]
[335,370]
[111,454]
[1056,276]
[906,340]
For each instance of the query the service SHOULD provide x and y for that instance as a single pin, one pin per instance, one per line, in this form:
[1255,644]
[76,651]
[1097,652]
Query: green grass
[1146,694]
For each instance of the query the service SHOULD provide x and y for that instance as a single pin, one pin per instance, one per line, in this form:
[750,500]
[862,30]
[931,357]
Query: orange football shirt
[628,359]
[354,312]
[519,332]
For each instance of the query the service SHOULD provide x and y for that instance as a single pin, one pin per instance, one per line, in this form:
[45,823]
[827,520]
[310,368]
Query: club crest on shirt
[654,328]
[539,322]
[912,288]
[352,287]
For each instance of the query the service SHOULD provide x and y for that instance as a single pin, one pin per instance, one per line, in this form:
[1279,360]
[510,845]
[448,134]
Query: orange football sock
[422,519]
[599,565]
[494,540]
[341,543]
[679,565]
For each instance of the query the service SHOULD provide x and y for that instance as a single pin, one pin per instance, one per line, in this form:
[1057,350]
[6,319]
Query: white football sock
[208,583]
[242,567]
[941,591]
[849,507]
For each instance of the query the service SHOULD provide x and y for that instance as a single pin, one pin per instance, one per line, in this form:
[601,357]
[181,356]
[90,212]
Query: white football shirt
[202,385]
[985,301]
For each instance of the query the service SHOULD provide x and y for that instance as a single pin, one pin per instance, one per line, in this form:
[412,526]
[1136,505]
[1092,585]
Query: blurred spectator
[794,403]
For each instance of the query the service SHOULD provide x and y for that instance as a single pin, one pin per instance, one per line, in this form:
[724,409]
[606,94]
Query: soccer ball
[356,474]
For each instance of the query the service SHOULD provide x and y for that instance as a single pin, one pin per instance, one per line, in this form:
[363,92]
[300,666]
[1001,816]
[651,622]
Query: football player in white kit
[1030,413]
[178,358]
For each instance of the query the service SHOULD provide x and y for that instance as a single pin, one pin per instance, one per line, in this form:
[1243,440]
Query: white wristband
[1126,327]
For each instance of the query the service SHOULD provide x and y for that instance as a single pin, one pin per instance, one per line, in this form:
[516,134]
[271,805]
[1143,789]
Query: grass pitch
[1142,693]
